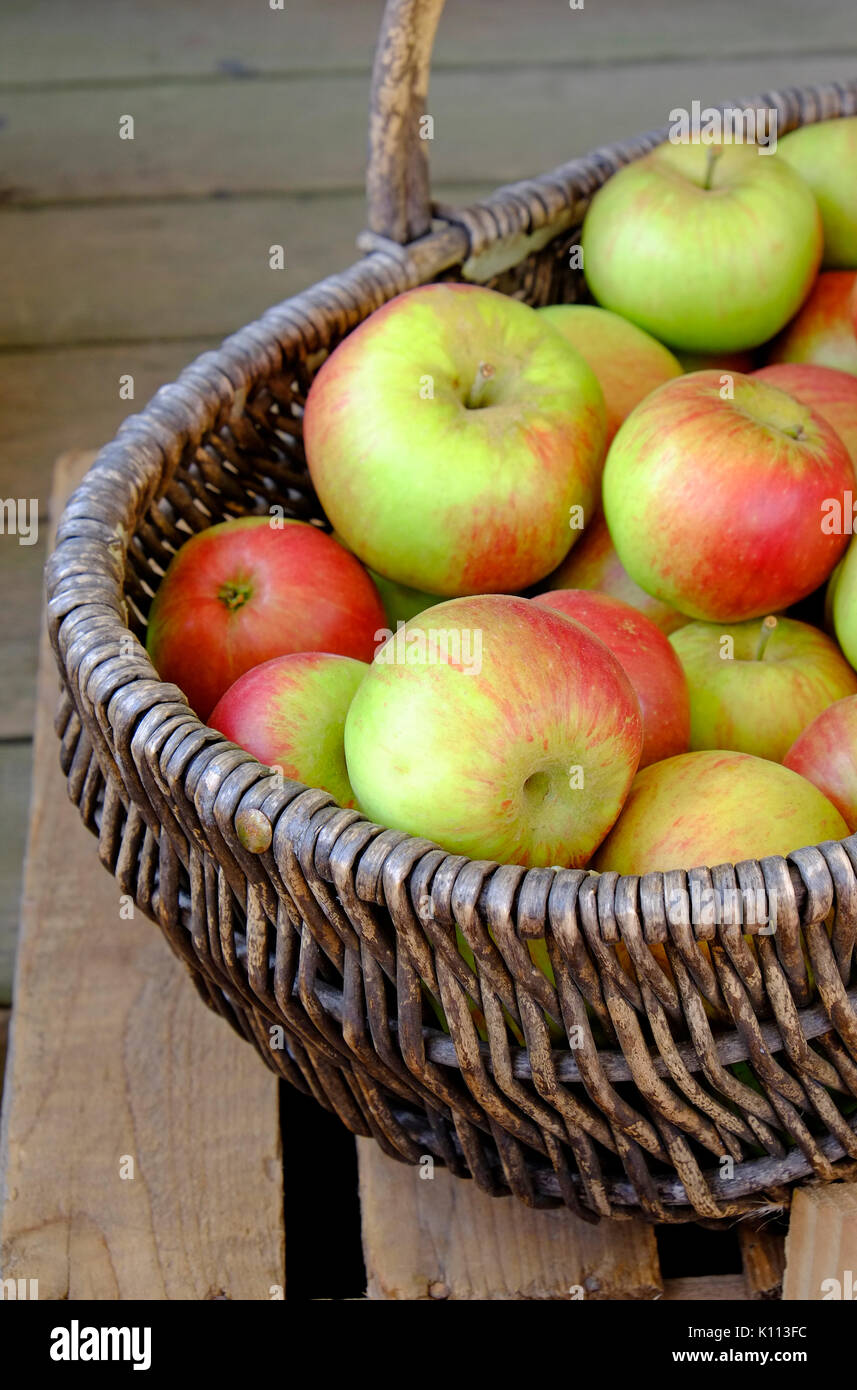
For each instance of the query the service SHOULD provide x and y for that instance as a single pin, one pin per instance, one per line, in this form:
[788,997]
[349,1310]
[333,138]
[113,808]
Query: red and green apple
[627,362]
[247,590]
[647,659]
[453,438]
[826,754]
[715,807]
[714,495]
[594,564]
[755,686]
[497,729]
[711,249]
[823,332]
[290,713]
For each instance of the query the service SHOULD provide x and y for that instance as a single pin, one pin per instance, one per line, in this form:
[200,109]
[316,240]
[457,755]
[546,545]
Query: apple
[844,604]
[710,248]
[832,394]
[453,438]
[497,729]
[825,156]
[826,754]
[823,332]
[715,494]
[594,564]
[627,362]
[715,807]
[290,713]
[247,590]
[754,686]
[647,659]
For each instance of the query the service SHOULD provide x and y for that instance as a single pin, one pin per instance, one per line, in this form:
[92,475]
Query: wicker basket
[332,927]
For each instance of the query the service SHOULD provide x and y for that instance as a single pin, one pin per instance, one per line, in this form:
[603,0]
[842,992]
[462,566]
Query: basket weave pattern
[337,928]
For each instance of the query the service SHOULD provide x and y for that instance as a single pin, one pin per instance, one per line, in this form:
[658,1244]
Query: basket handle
[397,176]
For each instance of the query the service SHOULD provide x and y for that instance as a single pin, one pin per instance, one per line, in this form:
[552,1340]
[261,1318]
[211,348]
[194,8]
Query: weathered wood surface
[104,39]
[79,274]
[763,1258]
[278,135]
[114,1057]
[441,1237]
[707,1288]
[821,1246]
[15,778]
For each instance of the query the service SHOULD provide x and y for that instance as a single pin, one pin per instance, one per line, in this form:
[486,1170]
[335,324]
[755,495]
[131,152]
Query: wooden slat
[126,40]
[20,575]
[763,1259]
[707,1288]
[15,777]
[227,137]
[5,1020]
[443,1238]
[115,1055]
[92,274]
[822,1244]
[61,399]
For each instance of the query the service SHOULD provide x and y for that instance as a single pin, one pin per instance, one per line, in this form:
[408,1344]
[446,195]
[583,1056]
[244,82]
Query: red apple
[647,659]
[832,394]
[826,754]
[594,564]
[498,729]
[715,808]
[245,591]
[290,713]
[715,495]
[628,362]
[823,332]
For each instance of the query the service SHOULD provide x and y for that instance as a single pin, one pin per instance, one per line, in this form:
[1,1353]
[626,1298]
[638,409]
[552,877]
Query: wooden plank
[5,1020]
[443,1238]
[763,1259]
[61,399]
[126,40]
[821,1246]
[20,575]
[706,1288]
[228,138]
[15,777]
[115,1055]
[94,274]
[52,401]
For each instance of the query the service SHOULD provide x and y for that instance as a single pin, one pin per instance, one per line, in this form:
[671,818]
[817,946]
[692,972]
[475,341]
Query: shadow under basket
[701,1092]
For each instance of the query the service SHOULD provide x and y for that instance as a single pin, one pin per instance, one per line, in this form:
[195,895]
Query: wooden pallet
[129,1110]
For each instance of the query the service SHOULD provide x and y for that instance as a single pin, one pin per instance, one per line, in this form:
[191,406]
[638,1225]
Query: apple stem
[484,373]
[714,153]
[233,596]
[769,626]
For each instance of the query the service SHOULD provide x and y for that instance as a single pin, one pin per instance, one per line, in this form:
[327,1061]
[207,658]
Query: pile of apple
[554,623]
